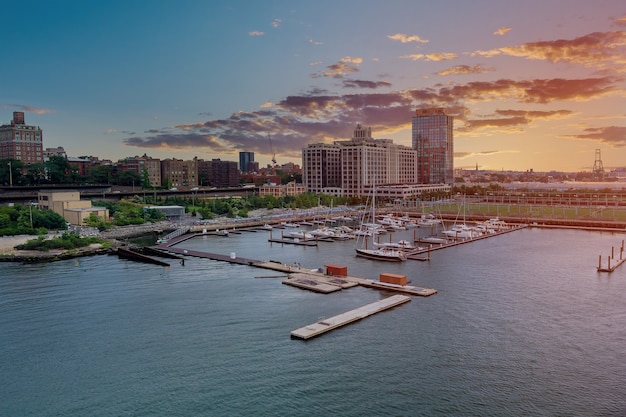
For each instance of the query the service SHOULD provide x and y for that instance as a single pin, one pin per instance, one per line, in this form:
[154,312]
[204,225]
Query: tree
[101,174]
[128,178]
[11,171]
[57,169]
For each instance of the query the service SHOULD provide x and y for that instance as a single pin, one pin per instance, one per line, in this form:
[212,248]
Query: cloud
[26,109]
[365,84]
[312,42]
[438,56]
[276,23]
[256,33]
[407,38]
[597,49]
[441,56]
[531,91]
[413,57]
[346,65]
[319,116]
[502,31]
[511,121]
[610,135]
[621,21]
[464,70]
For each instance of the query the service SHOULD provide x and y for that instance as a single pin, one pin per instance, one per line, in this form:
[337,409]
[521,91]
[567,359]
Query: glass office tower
[433,141]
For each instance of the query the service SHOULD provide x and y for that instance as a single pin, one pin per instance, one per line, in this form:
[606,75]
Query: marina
[326,325]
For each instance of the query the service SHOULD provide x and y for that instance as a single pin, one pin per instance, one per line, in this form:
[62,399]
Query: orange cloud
[595,49]
[256,33]
[502,31]
[437,56]
[464,69]
[610,135]
[346,65]
[407,38]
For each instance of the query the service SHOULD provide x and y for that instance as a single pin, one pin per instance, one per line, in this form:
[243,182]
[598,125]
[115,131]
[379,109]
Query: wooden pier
[348,317]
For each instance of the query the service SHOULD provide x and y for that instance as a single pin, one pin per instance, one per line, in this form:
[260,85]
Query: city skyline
[535,85]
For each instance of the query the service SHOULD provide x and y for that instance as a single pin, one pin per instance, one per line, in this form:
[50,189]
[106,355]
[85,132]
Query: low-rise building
[281,190]
[69,205]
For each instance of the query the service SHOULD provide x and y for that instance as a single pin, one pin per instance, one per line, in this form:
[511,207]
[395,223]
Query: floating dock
[407,289]
[348,317]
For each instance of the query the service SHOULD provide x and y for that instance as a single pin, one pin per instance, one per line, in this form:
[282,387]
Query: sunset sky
[532,85]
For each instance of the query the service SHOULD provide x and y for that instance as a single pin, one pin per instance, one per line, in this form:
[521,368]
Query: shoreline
[8,253]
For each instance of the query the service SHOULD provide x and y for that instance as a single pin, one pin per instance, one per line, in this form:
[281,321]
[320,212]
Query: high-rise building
[21,141]
[245,158]
[432,135]
[352,167]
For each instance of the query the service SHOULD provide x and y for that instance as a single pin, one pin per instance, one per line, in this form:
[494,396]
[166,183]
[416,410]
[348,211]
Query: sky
[535,85]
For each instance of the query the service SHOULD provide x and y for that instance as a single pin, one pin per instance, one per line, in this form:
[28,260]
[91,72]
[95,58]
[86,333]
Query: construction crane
[272,149]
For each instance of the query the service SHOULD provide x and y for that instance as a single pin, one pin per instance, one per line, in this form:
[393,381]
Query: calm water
[522,325]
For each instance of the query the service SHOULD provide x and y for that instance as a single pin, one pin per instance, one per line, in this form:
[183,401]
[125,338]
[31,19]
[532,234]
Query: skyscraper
[432,135]
[244,161]
[21,141]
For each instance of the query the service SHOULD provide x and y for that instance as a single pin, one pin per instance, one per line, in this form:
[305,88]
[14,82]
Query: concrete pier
[351,316]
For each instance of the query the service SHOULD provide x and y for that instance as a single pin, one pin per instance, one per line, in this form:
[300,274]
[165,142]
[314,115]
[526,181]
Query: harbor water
[522,325]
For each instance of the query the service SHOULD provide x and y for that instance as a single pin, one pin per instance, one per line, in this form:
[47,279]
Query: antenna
[598,169]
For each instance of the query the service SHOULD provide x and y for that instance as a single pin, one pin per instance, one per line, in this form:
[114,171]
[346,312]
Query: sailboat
[381,253]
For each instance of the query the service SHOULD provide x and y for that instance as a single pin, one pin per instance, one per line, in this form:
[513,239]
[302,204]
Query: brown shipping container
[337,270]
[393,278]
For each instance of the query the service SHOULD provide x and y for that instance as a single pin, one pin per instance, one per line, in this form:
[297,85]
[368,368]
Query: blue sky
[534,84]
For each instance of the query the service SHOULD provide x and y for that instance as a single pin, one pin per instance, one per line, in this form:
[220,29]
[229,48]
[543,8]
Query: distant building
[143,165]
[432,136]
[171,212]
[245,159]
[281,190]
[218,173]
[81,166]
[58,151]
[179,173]
[21,141]
[69,205]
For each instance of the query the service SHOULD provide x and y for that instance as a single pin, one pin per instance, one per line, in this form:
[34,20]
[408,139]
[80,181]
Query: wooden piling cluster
[618,262]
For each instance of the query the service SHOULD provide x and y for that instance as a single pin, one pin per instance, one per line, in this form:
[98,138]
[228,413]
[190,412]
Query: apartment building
[21,141]
[351,167]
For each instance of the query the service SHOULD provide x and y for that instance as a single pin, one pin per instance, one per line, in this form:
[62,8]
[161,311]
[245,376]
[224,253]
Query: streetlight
[10,174]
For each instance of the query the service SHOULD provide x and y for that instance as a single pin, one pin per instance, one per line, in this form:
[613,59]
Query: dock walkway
[415,254]
[348,317]
[297,276]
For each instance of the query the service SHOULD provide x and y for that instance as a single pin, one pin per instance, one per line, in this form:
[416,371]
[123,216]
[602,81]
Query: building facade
[21,141]
[281,190]
[179,173]
[245,160]
[143,165]
[432,138]
[69,205]
[218,173]
[351,167]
